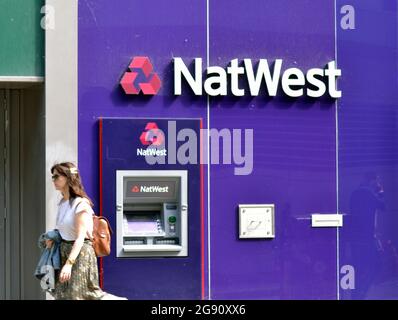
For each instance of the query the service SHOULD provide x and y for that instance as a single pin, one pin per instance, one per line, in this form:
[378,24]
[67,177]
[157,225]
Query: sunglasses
[55,177]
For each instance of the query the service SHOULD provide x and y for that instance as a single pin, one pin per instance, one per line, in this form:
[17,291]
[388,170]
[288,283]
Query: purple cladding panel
[294,156]
[110,35]
[368,150]
[295,150]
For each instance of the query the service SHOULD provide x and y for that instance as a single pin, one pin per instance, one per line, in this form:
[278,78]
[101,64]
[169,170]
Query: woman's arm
[81,223]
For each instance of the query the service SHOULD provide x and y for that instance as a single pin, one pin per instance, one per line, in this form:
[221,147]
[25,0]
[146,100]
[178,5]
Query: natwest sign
[219,81]
[294,82]
[151,83]
[150,189]
[152,136]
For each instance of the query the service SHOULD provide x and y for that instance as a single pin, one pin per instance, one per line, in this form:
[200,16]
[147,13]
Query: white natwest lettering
[154,189]
[294,82]
[151,152]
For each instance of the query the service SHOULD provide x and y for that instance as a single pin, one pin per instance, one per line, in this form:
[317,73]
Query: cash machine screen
[148,223]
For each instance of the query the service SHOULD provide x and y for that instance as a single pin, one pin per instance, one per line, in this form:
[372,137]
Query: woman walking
[78,278]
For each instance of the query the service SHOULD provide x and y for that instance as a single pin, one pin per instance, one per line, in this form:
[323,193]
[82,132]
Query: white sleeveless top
[66,217]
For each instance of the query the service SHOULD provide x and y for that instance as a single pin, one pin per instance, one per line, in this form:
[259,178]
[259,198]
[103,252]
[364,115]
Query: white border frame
[183,175]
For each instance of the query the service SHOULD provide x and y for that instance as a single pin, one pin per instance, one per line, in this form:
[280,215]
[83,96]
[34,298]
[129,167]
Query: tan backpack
[102,233]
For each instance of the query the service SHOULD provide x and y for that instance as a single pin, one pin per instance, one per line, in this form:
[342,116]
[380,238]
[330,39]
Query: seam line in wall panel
[337,160]
[208,153]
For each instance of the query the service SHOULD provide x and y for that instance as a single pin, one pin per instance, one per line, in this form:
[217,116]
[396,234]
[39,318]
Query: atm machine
[151,213]
[155,210]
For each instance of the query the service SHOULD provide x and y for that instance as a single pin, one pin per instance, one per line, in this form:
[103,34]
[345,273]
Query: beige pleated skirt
[83,284]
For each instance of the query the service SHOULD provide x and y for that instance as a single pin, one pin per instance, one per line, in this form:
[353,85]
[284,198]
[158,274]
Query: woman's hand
[65,273]
[49,244]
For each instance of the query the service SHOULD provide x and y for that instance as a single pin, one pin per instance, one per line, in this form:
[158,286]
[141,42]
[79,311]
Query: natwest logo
[152,135]
[219,81]
[154,138]
[294,82]
[140,66]
[150,189]
[154,189]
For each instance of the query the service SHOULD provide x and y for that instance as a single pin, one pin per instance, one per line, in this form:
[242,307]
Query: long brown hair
[70,171]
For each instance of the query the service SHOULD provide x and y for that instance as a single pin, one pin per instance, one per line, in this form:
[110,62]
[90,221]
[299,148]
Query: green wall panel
[22,38]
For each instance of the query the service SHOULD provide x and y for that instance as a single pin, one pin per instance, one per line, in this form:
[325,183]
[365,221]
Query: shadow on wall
[367,244]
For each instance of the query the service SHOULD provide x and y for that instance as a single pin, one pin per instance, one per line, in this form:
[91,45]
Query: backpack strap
[107,221]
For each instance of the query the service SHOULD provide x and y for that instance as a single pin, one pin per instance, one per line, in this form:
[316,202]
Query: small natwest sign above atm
[219,81]
[138,188]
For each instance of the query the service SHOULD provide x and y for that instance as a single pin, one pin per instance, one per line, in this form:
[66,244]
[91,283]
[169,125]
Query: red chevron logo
[152,135]
[152,84]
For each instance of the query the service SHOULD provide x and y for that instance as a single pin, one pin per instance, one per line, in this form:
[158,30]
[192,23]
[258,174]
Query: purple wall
[294,156]
[109,36]
[368,149]
[294,139]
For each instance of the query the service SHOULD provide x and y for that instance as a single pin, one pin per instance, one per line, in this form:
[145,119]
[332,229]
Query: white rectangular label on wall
[327,220]
[256,221]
